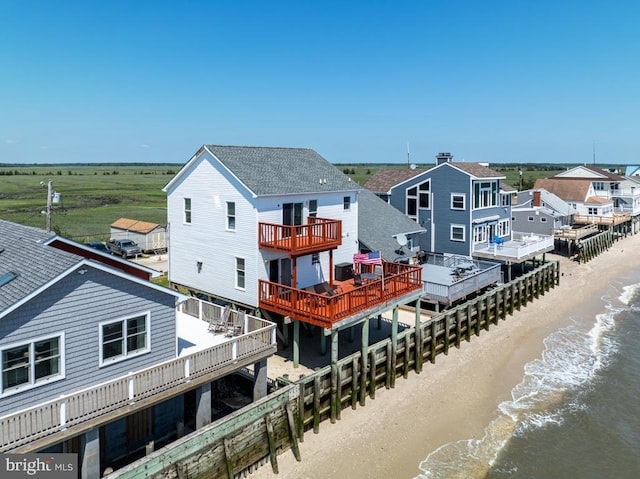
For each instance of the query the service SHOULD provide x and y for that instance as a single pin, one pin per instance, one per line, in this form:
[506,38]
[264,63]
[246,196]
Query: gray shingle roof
[378,222]
[23,252]
[276,171]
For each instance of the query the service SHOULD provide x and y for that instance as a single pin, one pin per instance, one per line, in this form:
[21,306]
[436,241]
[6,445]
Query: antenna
[594,153]
[408,154]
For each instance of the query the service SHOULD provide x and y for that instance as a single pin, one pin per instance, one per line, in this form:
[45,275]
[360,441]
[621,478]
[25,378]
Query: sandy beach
[456,398]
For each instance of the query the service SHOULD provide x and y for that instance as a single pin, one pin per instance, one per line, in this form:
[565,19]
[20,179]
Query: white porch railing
[521,245]
[23,427]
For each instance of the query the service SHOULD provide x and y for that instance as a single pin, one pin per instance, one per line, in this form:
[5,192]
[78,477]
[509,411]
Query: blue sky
[495,81]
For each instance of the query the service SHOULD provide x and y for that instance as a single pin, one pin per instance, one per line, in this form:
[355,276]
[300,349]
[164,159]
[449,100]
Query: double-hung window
[457,233]
[457,201]
[240,273]
[231,215]
[187,210]
[124,338]
[31,364]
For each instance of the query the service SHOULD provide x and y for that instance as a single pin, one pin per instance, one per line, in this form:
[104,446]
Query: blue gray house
[464,207]
[93,358]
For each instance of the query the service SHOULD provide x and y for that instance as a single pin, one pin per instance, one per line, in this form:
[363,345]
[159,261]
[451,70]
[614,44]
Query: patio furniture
[357,280]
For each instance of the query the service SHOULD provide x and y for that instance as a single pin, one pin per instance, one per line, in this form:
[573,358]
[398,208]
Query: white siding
[206,239]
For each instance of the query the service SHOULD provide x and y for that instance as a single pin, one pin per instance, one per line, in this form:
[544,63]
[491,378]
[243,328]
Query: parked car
[124,247]
[98,245]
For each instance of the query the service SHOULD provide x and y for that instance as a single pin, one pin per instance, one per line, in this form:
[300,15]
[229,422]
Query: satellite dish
[402,239]
[413,166]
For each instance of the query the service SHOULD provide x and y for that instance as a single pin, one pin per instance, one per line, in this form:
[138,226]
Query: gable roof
[379,223]
[631,170]
[550,202]
[386,178]
[476,170]
[134,225]
[35,264]
[569,189]
[589,172]
[26,253]
[276,171]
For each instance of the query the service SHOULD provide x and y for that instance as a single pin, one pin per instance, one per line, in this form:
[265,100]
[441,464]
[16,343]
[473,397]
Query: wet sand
[456,398]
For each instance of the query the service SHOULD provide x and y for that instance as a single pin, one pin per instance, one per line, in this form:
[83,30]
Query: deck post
[203,405]
[394,346]
[90,453]
[364,359]
[334,374]
[323,342]
[296,343]
[260,379]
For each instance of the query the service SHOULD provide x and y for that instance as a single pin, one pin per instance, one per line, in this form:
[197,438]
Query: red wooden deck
[319,234]
[348,300]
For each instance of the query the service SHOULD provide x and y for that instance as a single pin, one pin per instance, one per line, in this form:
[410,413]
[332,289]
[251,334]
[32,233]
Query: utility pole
[520,173]
[48,211]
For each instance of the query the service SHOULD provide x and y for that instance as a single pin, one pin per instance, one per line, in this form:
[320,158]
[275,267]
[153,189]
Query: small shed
[149,236]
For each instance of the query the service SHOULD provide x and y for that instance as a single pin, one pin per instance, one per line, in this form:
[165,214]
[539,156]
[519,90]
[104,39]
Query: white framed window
[124,338]
[31,364]
[592,211]
[313,207]
[187,210]
[485,194]
[457,233]
[231,215]
[479,234]
[458,201]
[530,219]
[315,258]
[418,197]
[240,273]
[598,185]
[505,199]
[543,219]
[504,227]
[347,203]
[513,219]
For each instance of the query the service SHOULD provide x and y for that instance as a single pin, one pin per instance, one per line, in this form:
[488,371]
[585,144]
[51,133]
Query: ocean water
[576,413]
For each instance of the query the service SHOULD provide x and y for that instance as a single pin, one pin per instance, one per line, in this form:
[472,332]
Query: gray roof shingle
[276,171]
[23,251]
[378,222]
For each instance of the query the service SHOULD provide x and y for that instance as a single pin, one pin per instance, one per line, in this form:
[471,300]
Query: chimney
[443,158]
[537,201]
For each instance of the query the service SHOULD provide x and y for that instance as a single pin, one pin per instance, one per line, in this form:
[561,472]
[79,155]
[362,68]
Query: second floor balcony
[346,299]
[319,234]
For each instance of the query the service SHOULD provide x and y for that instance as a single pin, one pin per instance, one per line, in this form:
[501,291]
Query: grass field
[94,196]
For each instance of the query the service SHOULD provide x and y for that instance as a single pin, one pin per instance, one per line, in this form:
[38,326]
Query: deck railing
[319,234]
[322,310]
[614,219]
[522,245]
[26,426]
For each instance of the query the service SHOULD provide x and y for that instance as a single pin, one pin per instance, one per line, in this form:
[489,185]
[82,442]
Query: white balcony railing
[522,245]
[26,426]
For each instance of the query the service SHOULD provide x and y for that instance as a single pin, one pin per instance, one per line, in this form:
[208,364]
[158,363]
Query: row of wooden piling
[235,445]
[325,393]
